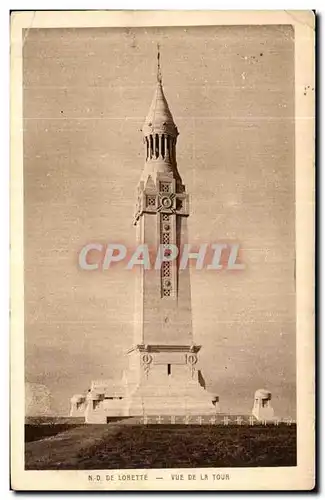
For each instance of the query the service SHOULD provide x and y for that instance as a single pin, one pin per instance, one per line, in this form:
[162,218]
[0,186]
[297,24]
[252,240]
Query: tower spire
[159,120]
[160,134]
[159,77]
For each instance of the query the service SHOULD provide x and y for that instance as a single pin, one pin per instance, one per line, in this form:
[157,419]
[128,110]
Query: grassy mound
[117,446]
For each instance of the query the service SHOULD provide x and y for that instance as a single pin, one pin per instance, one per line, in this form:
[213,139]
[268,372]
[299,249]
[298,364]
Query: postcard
[162,250]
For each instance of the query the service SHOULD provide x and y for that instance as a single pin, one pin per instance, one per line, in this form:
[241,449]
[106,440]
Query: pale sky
[231,93]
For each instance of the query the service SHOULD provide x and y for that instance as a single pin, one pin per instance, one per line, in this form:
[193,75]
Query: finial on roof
[159,77]
[159,120]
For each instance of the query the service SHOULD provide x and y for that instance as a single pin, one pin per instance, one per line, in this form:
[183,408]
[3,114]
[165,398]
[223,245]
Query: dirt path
[65,447]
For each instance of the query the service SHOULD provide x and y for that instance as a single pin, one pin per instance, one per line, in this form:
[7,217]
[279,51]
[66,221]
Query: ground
[118,446]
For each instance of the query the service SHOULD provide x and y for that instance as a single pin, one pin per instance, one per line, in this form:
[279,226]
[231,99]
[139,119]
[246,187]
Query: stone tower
[163,377]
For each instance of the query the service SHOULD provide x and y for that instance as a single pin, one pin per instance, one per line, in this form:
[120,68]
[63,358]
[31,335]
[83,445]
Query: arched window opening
[173,150]
[157,146]
[163,146]
[168,147]
[147,148]
[151,146]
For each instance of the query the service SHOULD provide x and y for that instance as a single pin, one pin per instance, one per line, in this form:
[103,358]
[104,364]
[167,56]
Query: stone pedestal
[164,380]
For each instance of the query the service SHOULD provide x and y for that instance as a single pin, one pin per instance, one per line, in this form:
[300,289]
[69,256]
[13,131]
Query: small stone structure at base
[262,409]
[105,398]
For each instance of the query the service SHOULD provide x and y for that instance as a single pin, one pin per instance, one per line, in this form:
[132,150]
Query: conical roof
[159,119]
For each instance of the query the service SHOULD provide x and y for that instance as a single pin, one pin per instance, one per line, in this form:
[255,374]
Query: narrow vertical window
[147,148]
[163,146]
[157,146]
[173,150]
[168,148]
[169,369]
[151,146]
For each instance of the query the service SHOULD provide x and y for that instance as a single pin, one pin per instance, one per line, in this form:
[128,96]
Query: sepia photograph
[161,190]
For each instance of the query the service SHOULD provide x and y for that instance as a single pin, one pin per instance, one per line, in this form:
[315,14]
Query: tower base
[161,380]
[165,380]
[176,401]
